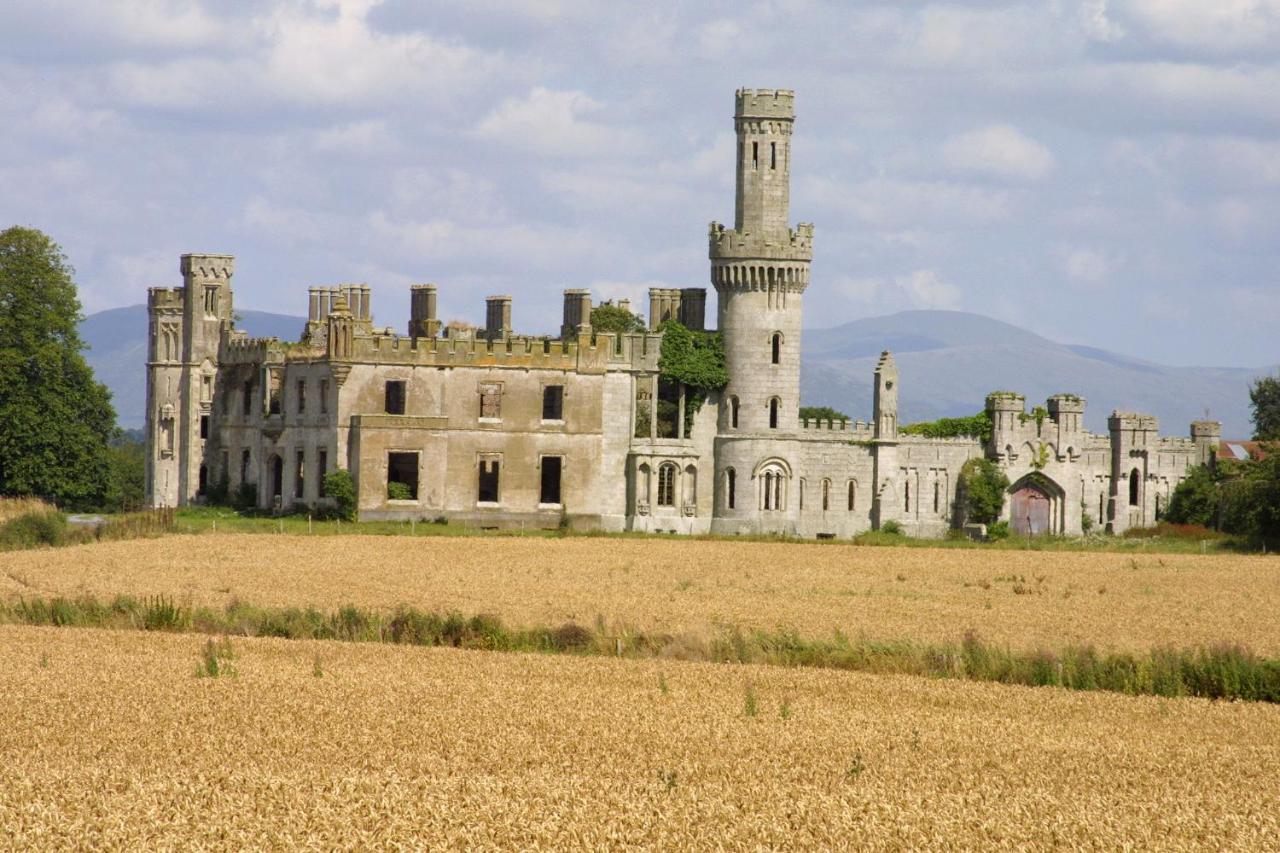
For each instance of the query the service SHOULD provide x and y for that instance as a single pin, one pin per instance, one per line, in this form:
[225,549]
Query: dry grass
[1024,599]
[11,508]
[111,741]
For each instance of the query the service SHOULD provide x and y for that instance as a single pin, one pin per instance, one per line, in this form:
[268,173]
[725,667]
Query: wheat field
[111,741]
[1025,599]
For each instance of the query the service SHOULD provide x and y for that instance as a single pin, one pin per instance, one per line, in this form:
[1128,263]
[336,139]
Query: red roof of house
[1239,450]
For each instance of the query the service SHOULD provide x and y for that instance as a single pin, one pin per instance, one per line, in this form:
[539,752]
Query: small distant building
[493,428]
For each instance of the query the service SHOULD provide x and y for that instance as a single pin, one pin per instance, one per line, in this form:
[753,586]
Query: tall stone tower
[186,328]
[760,269]
[884,449]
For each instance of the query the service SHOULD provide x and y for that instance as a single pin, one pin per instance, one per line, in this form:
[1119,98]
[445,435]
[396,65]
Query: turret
[423,322]
[1207,436]
[885,398]
[1006,410]
[497,317]
[577,313]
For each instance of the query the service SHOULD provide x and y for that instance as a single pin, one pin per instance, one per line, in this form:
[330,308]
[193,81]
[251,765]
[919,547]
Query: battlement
[206,266]
[1206,429]
[1064,404]
[839,426]
[1006,401]
[1132,421]
[165,298]
[795,244]
[765,103]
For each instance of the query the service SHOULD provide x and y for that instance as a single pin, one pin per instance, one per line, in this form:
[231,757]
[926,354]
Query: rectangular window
[300,475]
[322,468]
[755,155]
[488,491]
[733,488]
[773,155]
[491,400]
[402,476]
[204,426]
[324,396]
[248,397]
[550,492]
[245,460]
[302,395]
[395,397]
[553,403]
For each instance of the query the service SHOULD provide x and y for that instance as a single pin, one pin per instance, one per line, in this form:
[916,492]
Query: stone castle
[491,428]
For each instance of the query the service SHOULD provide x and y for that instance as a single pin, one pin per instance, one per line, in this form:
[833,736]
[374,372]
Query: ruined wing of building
[491,428]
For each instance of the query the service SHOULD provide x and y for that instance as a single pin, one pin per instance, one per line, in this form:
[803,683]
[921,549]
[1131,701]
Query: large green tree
[55,420]
[1264,394]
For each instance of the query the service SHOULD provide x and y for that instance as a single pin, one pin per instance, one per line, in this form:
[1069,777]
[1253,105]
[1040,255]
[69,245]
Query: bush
[34,529]
[891,527]
[397,491]
[341,488]
[1195,499]
[981,491]
[998,530]
[246,496]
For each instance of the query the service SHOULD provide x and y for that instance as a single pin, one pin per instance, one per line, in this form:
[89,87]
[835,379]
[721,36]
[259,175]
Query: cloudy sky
[1104,172]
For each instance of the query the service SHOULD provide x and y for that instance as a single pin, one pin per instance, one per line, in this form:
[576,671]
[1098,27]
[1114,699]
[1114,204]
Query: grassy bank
[1223,671]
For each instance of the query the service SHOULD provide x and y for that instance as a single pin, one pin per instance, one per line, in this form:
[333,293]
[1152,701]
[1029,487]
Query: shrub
[246,496]
[891,527]
[998,530]
[981,491]
[397,491]
[34,529]
[339,486]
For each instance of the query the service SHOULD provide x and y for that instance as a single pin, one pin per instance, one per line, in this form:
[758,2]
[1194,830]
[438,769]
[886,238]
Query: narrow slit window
[731,477]
[667,485]
[300,475]
[853,494]
[773,155]
[775,347]
[301,394]
[322,468]
[1135,479]
[826,495]
[733,412]
[755,155]
[204,426]
[773,413]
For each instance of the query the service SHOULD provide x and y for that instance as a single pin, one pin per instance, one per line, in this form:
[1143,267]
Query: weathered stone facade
[492,428]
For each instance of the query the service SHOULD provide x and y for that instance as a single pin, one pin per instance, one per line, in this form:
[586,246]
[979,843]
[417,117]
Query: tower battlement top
[765,103]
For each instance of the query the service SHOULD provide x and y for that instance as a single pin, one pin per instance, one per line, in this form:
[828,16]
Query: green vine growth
[978,426]
[1041,458]
[693,359]
[1038,414]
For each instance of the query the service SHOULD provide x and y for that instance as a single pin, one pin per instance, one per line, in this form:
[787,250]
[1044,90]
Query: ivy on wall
[977,426]
[694,359]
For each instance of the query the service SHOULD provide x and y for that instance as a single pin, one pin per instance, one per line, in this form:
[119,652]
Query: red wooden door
[1030,511]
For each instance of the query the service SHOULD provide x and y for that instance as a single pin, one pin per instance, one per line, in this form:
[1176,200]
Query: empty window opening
[302,395]
[491,400]
[826,495]
[246,460]
[1135,479]
[211,300]
[395,394]
[273,392]
[773,413]
[772,490]
[755,155]
[853,495]
[277,477]
[402,476]
[324,396]
[203,483]
[731,478]
[667,485]
[937,498]
[322,468]
[802,485]
[248,398]
[906,497]
[733,412]
[775,345]
[553,404]
[300,474]
[1102,507]
[204,426]
[773,155]
[488,491]
[550,490]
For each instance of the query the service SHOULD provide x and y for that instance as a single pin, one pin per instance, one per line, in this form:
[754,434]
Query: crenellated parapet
[765,103]
[729,244]
[164,300]
[207,267]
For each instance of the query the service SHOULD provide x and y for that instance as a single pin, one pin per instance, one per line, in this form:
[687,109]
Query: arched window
[773,413]
[772,497]
[826,495]
[731,488]
[775,346]
[690,486]
[667,485]
[853,494]
[1135,480]
[733,412]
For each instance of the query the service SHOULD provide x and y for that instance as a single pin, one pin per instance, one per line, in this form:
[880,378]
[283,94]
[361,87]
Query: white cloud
[553,123]
[1000,151]
[1088,266]
[1223,27]
[897,204]
[370,137]
[920,289]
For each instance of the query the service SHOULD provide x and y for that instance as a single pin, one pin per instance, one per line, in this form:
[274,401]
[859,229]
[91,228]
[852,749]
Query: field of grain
[1025,599]
[110,740]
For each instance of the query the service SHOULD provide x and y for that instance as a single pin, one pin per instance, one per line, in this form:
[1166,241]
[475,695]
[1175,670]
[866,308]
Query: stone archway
[1035,506]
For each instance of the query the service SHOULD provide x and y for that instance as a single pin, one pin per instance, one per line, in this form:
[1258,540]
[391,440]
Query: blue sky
[1101,172]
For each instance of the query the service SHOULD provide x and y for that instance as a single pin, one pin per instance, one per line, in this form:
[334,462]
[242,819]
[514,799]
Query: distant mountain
[948,360]
[117,342]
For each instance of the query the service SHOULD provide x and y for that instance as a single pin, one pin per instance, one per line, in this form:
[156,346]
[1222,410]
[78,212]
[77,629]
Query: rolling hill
[948,360]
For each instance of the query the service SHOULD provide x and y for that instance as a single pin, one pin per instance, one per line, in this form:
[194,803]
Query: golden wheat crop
[110,740]
[1024,599]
